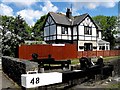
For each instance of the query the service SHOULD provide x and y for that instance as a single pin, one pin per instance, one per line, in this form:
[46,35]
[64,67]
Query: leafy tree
[21,28]
[108,25]
[38,28]
[14,31]
[6,34]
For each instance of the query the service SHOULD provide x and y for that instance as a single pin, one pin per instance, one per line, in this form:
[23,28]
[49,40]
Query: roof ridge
[81,15]
[58,13]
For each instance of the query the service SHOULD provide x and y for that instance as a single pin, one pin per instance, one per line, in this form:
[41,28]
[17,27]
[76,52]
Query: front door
[88,47]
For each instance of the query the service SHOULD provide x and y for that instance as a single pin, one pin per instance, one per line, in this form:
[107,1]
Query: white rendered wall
[81,32]
[59,32]
[69,33]
[100,34]
[94,33]
[75,33]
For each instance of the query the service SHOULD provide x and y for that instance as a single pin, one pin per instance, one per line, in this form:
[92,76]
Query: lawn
[106,59]
[111,58]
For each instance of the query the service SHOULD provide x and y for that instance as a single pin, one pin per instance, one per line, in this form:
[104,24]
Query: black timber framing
[77,37]
[72,35]
[56,40]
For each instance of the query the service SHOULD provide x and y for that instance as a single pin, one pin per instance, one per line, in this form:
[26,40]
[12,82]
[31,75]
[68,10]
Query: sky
[32,10]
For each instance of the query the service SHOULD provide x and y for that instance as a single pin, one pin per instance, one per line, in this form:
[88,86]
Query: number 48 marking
[35,80]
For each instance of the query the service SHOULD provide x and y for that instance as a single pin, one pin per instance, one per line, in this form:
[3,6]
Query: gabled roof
[78,19]
[60,18]
[102,41]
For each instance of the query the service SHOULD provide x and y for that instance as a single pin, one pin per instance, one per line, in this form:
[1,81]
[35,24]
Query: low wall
[14,67]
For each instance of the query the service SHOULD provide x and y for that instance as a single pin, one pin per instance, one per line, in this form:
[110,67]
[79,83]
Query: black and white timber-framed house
[82,30]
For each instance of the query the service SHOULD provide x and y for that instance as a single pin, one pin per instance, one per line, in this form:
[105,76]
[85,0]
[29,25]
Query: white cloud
[6,10]
[21,3]
[92,5]
[48,6]
[82,0]
[109,4]
[30,15]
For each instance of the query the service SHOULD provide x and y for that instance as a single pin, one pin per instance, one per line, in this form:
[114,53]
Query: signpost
[40,79]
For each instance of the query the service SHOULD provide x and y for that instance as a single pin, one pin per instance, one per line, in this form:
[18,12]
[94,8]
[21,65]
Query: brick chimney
[69,13]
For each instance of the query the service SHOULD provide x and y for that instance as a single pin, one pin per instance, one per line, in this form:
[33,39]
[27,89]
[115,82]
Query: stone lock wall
[14,67]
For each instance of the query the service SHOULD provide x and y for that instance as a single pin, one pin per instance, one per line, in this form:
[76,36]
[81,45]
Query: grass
[111,58]
[113,86]
[75,61]
[106,59]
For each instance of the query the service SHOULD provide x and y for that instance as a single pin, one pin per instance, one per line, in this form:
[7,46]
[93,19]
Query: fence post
[96,53]
[109,52]
[82,53]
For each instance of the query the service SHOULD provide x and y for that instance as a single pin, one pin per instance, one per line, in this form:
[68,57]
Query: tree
[21,28]
[38,28]
[108,25]
[14,31]
[6,34]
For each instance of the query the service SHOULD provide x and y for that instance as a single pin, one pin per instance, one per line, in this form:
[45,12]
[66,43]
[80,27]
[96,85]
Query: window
[64,30]
[81,47]
[94,47]
[101,47]
[106,47]
[88,46]
[88,30]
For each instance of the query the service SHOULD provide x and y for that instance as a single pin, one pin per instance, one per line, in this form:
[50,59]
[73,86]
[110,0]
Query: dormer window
[87,30]
[64,30]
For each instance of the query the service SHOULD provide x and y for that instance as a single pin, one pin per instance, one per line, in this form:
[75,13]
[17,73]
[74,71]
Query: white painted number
[35,80]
